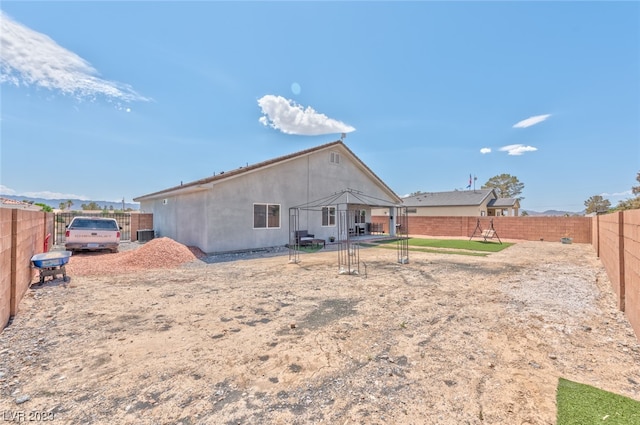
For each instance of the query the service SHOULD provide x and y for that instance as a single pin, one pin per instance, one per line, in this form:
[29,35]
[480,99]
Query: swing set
[486,234]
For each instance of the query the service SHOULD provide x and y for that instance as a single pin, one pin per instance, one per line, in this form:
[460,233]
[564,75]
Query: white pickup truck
[92,234]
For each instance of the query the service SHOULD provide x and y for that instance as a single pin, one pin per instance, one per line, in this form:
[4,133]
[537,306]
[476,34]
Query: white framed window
[335,158]
[360,216]
[328,216]
[266,216]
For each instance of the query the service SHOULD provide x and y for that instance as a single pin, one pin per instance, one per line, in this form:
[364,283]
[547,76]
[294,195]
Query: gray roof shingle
[449,199]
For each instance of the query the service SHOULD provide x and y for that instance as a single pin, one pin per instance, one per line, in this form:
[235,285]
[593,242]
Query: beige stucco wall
[218,217]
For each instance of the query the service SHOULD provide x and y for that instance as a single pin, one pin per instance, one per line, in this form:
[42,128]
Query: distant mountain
[77,203]
[552,213]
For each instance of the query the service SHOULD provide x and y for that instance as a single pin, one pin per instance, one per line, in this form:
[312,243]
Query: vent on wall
[335,157]
[165,201]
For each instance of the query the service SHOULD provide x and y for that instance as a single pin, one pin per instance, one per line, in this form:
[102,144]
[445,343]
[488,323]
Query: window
[266,216]
[328,216]
[412,210]
[335,157]
[360,216]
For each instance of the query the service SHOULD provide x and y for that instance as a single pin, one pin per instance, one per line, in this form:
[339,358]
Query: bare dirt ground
[445,339]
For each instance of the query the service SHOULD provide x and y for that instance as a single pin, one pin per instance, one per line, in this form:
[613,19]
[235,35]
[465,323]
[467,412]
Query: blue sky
[112,100]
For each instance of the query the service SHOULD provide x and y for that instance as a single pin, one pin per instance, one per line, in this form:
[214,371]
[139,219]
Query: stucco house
[257,206]
[480,202]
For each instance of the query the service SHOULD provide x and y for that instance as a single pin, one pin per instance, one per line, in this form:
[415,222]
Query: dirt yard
[445,339]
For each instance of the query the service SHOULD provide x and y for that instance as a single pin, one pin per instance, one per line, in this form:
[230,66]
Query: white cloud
[517,149]
[29,58]
[617,194]
[4,190]
[531,121]
[485,150]
[290,118]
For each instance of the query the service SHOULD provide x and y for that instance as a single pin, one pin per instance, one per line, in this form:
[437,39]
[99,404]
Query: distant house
[257,206]
[481,202]
[11,203]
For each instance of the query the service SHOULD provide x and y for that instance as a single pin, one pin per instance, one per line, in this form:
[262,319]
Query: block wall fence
[617,244]
[23,234]
[528,228]
[615,238]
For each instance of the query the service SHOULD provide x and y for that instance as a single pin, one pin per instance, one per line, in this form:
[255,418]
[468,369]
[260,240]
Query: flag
[469,186]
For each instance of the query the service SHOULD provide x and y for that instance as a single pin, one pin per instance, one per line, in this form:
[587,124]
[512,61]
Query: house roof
[503,202]
[198,184]
[12,203]
[456,198]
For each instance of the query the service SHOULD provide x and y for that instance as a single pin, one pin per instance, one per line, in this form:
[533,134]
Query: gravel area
[251,338]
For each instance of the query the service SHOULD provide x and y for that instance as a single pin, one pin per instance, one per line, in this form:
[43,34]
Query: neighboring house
[480,202]
[11,203]
[251,207]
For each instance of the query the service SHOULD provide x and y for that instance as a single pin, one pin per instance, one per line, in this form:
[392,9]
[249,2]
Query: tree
[596,204]
[629,204]
[69,203]
[62,206]
[633,203]
[506,186]
[90,206]
[44,207]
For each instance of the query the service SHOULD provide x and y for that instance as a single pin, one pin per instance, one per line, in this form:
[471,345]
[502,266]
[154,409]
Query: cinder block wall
[22,235]
[631,230]
[28,233]
[5,266]
[524,228]
[608,249]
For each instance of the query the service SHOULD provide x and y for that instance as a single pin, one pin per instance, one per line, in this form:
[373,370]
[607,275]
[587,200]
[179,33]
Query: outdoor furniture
[303,237]
[488,234]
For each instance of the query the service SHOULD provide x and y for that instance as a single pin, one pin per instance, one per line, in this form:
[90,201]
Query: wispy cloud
[531,121]
[4,190]
[485,150]
[517,149]
[290,118]
[29,58]
[617,194]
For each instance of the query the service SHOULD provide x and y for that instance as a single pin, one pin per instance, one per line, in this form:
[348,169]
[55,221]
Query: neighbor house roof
[199,184]
[12,203]
[503,202]
[456,198]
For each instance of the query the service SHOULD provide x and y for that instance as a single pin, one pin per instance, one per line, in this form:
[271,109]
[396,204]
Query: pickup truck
[92,234]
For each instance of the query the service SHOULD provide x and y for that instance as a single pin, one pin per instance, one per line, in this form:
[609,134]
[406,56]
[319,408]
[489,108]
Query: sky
[118,99]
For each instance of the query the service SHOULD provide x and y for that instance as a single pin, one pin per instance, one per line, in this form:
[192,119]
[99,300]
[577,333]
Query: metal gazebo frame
[346,203]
